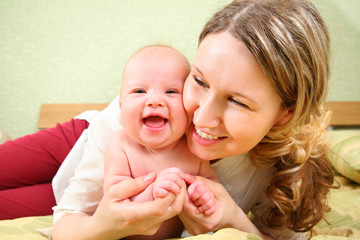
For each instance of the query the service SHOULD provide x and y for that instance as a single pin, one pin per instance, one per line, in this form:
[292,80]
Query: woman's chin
[201,151]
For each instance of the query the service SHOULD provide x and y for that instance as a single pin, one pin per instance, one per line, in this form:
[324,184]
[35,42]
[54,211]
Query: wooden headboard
[51,114]
[344,113]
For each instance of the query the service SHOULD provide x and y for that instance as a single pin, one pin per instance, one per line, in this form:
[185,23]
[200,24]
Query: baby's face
[152,110]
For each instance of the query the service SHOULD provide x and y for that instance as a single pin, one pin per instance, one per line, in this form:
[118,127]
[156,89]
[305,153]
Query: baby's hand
[168,180]
[202,197]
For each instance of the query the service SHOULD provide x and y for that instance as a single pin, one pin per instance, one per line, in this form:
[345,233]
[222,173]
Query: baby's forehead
[156,57]
[156,52]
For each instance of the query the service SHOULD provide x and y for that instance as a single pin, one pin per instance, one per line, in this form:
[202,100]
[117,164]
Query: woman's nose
[208,114]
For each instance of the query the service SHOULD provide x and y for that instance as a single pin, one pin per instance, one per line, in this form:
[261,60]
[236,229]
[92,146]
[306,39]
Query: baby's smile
[155,121]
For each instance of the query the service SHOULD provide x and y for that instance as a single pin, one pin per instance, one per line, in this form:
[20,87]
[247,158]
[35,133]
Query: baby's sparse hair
[155,48]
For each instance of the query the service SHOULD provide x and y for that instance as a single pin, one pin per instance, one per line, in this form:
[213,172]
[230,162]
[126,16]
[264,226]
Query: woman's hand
[132,218]
[225,215]
[227,212]
[117,217]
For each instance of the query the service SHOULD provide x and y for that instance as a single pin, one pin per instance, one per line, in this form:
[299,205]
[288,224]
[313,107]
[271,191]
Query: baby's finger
[169,186]
[205,198]
[173,170]
[189,179]
[171,177]
[207,208]
[160,193]
[210,211]
[195,191]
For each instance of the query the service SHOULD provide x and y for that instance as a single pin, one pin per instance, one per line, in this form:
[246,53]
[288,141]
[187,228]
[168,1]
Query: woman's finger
[159,209]
[131,187]
[178,203]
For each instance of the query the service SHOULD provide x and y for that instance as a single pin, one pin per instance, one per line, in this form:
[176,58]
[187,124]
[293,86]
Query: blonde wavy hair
[291,43]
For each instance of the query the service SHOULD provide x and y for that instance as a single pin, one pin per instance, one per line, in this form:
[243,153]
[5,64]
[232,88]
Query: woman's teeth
[205,135]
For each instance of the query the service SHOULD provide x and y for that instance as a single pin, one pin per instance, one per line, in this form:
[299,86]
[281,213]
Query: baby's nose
[155,102]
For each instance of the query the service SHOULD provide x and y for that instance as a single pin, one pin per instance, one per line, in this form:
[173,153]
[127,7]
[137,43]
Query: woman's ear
[285,116]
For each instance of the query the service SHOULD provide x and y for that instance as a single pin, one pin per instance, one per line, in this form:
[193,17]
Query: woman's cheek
[189,98]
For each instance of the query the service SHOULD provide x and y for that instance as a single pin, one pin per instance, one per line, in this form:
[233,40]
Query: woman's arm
[117,218]
[227,213]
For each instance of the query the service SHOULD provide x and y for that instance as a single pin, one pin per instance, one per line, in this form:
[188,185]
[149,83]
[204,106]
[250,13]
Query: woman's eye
[199,82]
[172,91]
[235,101]
[139,91]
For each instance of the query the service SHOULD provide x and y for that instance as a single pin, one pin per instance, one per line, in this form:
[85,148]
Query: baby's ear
[285,116]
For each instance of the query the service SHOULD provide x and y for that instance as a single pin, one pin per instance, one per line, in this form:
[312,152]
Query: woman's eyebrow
[250,99]
[197,69]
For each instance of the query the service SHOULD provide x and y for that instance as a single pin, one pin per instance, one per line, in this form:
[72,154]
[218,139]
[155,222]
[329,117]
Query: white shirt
[79,181]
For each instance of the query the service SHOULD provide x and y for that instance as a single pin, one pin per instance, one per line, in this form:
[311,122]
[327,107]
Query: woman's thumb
[131,187]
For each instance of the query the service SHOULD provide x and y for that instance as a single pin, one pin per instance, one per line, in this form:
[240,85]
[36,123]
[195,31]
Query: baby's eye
[172,91]
[200,82]
[139,90]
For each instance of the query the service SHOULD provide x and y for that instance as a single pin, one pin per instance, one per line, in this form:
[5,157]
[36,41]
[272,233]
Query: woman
[284,131]
[255,95]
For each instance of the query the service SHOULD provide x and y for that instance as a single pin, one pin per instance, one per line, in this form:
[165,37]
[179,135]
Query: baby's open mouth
[155,121]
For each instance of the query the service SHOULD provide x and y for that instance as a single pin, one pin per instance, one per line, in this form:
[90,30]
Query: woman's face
[230,100]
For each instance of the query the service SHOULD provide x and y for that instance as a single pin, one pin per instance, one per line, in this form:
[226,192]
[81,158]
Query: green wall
[65,51]
[343,18]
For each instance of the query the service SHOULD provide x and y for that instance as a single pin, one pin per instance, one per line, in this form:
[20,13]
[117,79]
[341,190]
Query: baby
[153,139]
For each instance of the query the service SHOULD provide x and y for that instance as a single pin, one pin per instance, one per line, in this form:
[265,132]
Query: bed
[342,222]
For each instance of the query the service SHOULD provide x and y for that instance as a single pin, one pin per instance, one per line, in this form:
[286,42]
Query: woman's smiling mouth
[205,135]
